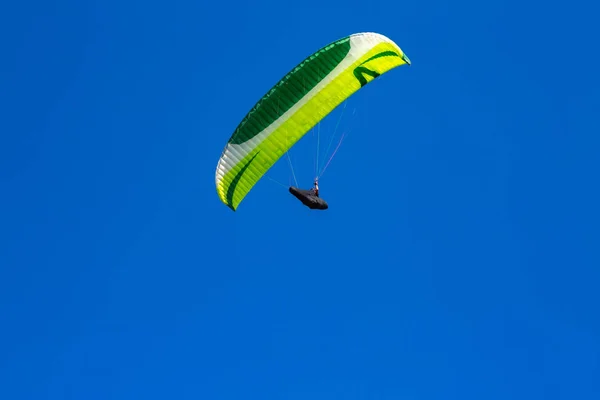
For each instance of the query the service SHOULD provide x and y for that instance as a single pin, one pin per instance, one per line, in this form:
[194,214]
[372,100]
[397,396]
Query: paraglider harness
[310,197]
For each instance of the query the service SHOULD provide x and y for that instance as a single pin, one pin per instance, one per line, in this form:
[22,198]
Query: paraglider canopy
[297,103]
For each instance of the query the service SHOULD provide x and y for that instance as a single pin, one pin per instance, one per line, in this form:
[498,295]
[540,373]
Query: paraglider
[310,197]
[290,109]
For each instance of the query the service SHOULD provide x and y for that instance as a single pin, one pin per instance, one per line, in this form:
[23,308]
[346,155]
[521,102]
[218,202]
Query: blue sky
[458,258]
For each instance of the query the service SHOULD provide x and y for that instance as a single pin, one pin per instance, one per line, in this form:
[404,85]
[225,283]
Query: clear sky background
[458,259]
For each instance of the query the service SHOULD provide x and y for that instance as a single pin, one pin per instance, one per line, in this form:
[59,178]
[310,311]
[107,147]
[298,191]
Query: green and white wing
[296,104]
